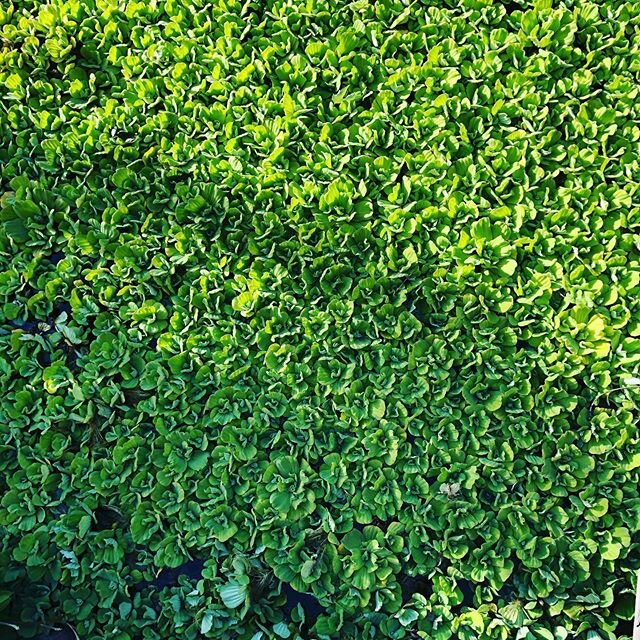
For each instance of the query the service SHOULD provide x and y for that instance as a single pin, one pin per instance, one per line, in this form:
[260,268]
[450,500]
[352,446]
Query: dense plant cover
[319,319]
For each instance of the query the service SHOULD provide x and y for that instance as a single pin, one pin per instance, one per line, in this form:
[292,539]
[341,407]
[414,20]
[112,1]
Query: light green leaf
[84,525]
[281,630]
[509,266]
[377,408]
[407,617]
[233,594]
[611,551]
[207,623]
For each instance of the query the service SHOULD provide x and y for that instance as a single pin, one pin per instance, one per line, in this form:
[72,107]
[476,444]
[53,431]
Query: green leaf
[281,502]
[494,401]
[529,21]
[233,594]
[622,535]
[13,81]
[362,579]
[410,255]
[611,551]
[122,176]
[508,267]
[281,630]
[353,540]
[84,525]
[407,617]
[225,531]
[377,408]
[289,105]
[26,208]
[580,560]
[513,614]
[481,230]
[16,230]
[307,568]
[198,460]
[207,623]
